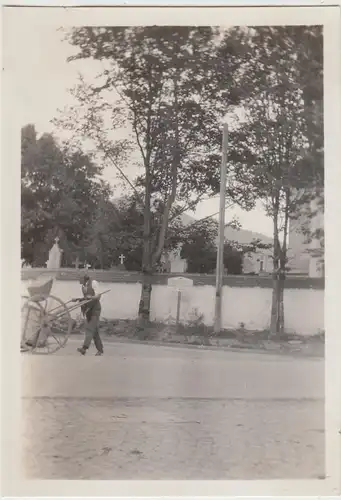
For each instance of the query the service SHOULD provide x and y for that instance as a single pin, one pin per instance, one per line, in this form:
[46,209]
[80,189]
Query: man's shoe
[81,350]
[99,353]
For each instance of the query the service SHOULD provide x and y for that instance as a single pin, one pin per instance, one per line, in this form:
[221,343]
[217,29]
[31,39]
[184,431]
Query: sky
[43,77]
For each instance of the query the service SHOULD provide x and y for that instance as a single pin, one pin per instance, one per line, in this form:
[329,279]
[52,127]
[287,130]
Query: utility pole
[221,236]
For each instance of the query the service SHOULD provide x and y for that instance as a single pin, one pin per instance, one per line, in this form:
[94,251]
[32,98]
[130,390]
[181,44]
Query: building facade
[306,256]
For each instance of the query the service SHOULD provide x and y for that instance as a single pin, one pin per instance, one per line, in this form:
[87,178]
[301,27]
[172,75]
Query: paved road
[143,412]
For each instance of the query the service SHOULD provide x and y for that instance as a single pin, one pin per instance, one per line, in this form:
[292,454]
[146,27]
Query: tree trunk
[280,260]
[274,304]
[144,305]
[99,256]
[146,290]
[151,258]
[277,306]
[276,286]
[281,305]
[174,172]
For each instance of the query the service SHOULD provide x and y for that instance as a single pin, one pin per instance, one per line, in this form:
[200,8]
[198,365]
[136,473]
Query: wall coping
[127,277]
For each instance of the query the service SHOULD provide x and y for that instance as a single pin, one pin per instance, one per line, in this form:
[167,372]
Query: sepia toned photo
[172,247]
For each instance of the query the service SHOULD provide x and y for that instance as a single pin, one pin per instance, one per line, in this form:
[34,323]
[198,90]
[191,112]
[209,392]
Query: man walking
[91,311]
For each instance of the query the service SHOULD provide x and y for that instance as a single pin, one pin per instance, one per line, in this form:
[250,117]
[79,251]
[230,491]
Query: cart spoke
[46,324]
[57,340]
[60,326]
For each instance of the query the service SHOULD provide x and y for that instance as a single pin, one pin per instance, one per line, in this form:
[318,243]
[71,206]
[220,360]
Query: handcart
[46,321]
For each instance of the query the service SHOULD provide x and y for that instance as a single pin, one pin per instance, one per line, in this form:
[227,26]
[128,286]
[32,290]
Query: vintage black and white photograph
[172,249]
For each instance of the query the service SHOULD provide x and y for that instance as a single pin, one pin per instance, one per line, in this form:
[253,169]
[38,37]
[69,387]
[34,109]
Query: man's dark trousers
[92,332]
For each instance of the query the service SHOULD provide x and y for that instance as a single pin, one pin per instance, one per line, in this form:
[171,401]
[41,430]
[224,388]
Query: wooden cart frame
[46,322]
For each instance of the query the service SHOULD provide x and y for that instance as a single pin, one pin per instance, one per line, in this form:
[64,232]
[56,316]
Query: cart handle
[85,301]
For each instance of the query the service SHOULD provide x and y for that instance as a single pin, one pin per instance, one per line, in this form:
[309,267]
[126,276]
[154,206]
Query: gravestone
[25,264]
[55,256]
[121,265]
[76,262]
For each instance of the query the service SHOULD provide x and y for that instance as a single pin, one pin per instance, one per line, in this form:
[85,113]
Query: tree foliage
[275,144]
[199,246]
[233,259]
[60,192]
[171,87]
[164,82]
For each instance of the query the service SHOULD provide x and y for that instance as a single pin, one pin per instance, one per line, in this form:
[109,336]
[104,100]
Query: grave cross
[122,259]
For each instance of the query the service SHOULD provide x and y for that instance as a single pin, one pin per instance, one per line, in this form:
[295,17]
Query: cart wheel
[46,324]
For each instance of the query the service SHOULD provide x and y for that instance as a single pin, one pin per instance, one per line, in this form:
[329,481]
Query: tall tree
[310,72]
[273,139]
[60,191]
[163,80]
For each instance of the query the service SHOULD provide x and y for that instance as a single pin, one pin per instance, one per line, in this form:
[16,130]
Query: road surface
[144,412]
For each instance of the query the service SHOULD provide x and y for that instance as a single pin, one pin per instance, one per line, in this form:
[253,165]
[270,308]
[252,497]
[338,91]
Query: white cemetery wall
[250,306]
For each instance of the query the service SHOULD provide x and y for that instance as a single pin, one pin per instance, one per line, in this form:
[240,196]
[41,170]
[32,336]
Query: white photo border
[327,14]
